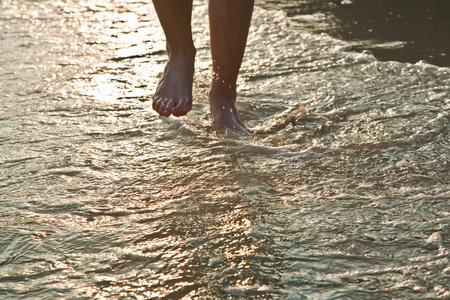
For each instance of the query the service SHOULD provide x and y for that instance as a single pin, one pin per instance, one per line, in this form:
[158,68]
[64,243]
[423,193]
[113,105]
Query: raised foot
[174,92]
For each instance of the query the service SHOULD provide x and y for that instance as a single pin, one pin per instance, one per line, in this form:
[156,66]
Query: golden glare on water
[101,198]
[127,44]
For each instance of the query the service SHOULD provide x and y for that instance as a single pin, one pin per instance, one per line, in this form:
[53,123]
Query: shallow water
[401,30]
[346,198]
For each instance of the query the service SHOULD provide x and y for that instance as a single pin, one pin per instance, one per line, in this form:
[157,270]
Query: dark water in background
[101,198]
[399,30]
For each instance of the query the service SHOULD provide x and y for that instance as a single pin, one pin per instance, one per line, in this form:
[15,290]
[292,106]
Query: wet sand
[402,30]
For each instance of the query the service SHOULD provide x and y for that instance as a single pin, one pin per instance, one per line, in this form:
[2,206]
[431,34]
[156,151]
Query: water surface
[346,197]
[400,30]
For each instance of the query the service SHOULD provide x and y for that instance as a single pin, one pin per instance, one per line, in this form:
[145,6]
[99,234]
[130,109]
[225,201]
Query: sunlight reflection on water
[100,197]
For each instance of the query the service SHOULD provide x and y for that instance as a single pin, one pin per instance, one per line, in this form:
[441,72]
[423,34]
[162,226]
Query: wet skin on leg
[174,92]
[229,24]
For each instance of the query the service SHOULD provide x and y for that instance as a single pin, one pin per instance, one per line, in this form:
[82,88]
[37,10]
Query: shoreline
[405,31]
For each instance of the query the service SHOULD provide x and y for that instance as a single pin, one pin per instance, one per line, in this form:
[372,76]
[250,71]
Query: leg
[174,92]
[229,24]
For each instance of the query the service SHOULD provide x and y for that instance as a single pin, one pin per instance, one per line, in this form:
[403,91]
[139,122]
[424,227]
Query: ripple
[342,193]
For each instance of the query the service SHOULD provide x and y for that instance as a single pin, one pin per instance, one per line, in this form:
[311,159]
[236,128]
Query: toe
[165,109]
[182,108]
[156,103]
[177,112]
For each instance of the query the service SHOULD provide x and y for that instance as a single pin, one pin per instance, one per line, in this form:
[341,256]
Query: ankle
[188,52]
[221,98]
[224,88]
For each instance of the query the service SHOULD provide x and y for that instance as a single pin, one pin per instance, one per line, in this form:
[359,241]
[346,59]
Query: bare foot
[223,110]
[174,92]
